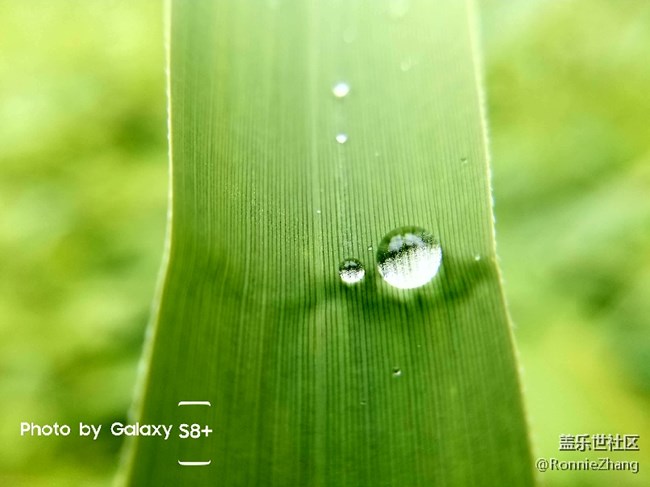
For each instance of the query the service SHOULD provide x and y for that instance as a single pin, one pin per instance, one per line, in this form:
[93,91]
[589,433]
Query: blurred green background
[83,181]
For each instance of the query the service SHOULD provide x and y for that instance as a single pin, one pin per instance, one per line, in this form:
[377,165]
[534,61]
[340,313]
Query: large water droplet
[351,271]
[408,257]
[341,138]
[341,89]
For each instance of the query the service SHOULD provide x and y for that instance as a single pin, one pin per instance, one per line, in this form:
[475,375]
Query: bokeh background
[83,182]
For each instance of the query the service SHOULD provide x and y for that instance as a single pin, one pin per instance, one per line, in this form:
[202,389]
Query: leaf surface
[300,369]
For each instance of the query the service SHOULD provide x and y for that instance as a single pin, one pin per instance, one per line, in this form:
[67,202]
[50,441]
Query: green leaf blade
[266,204]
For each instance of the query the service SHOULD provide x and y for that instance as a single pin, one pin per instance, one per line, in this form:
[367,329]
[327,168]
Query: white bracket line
[195,464]
[194,403]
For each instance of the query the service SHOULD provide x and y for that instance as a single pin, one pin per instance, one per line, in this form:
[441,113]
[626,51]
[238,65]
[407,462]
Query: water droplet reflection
[341,138]
[408,257]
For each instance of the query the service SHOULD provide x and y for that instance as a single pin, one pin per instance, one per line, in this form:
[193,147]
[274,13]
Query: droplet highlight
[341,138]
[351,271]
[397,372]
[408,257]
[341,89]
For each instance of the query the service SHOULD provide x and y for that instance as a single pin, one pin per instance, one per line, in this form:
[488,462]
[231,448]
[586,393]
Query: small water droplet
[477,257]
[318,212]
[397,372]
[341,138]
[341,89]
[363,403]
[370,248]
[377,154]
[351,271]
[463,160]
[408,257]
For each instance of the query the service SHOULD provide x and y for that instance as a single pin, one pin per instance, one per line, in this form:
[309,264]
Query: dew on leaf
[351,271]
[341,138]
[408,257]
[341,89]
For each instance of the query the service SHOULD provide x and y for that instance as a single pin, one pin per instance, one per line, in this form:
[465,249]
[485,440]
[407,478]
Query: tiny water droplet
[318,212]
[477,257]
[351,271]
[463,160]
[397,372]
[341,89]
[408,257]
[341,138]
[377,154]
[363,403]
[370,248]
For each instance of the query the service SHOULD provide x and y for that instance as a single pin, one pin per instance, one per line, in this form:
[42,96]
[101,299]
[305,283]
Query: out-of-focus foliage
[82,198]
[569,114]
[82,204]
